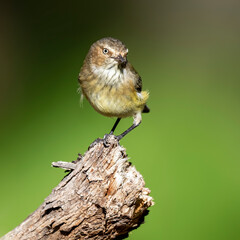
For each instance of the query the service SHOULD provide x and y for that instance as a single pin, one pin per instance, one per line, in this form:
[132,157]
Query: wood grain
[104,197]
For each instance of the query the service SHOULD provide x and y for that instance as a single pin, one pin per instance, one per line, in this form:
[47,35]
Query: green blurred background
[187,148]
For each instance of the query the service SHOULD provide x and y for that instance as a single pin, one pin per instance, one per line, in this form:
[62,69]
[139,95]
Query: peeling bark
[102,197]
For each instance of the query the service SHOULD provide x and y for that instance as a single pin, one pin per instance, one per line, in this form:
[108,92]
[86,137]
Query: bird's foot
[106,138]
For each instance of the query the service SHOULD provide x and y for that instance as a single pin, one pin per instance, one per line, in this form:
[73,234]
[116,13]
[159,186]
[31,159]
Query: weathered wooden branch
[102,197]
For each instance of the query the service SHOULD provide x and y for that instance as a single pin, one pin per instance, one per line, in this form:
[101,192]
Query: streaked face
[109,52]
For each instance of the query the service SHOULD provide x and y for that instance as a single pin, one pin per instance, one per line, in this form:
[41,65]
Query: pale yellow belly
[115,102]
[112,102]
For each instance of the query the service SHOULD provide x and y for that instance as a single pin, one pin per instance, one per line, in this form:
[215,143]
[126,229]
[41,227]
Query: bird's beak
[121,60]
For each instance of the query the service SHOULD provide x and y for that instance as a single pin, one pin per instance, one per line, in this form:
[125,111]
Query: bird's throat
[112,75]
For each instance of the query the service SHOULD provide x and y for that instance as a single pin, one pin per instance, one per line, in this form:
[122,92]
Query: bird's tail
[146,109]
[145,95]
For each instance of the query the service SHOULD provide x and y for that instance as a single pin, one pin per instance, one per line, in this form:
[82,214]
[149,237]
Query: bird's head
[108,53]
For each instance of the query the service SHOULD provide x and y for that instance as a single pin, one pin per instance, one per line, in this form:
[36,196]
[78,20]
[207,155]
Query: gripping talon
[105,140]
[106,137]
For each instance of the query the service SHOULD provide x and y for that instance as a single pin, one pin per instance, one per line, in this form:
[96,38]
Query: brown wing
[133,74]
[138,84]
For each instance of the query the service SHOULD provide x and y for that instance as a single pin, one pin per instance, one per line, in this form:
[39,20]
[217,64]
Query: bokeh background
[187,148]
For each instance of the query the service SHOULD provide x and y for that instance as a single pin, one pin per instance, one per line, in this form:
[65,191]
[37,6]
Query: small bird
[111,84]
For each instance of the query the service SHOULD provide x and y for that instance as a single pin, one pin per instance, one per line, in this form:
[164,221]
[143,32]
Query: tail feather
[146,109]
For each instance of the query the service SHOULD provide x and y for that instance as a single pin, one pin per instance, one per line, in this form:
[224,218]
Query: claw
[106,137]
[119,137]
[105,140]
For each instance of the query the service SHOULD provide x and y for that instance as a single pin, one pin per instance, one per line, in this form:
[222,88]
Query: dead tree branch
[103,197]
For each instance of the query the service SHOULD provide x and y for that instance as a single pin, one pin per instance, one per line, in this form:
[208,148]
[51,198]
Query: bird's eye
[105,50]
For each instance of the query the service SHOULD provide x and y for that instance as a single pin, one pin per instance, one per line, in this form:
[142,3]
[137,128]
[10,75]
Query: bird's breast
[111,92]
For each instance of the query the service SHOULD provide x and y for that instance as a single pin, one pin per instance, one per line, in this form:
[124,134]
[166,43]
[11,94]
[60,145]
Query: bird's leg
[115,125]
[119,137]
[105,138]
[137,120]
